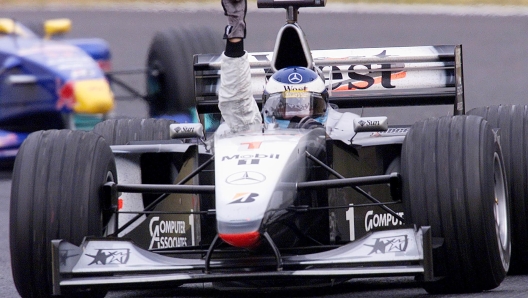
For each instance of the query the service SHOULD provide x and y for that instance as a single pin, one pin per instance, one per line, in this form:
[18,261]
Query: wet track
[495,71]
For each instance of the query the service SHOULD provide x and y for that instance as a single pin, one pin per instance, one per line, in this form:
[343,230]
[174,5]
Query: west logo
[365,76]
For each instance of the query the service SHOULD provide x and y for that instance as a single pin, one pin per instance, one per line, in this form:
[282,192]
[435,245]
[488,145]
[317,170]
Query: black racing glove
[235,10]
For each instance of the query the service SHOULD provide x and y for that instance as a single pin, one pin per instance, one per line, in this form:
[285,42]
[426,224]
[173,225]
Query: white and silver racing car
[140,203]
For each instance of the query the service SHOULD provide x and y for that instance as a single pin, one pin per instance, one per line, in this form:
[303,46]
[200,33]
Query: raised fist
[235,10]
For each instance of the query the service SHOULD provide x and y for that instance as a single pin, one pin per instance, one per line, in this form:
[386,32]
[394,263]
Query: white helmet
[293,94]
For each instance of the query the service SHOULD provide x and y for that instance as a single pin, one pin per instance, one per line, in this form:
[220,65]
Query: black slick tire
[124,131]
[454,181]
[512,120]
[170,85]
[56,194]
[156,168]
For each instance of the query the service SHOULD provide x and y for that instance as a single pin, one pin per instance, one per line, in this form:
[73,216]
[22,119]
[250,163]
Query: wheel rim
[500,208]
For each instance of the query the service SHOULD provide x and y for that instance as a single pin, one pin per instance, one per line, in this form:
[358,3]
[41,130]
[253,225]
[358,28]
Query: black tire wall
[513,123]
[56,194]
[170,83]
[123,131]
[449,184]
[155,168]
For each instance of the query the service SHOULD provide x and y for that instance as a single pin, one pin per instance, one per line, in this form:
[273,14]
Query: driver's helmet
[294,95]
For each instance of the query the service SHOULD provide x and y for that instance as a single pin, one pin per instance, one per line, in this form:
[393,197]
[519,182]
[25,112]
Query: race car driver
[294,96]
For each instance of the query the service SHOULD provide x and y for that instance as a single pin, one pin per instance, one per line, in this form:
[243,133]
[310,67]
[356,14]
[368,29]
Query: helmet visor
[295,103]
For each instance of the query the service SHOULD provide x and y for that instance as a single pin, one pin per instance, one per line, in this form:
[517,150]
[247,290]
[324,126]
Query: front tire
[454,181]
[56,193]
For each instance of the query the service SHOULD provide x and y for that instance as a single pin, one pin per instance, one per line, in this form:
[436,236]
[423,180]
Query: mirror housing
[56,26]
[364,124]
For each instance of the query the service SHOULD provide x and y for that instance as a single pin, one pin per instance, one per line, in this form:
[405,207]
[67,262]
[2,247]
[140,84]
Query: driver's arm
[235,98]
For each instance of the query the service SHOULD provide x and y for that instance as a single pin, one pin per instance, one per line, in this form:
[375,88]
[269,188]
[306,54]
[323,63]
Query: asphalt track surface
[495,67]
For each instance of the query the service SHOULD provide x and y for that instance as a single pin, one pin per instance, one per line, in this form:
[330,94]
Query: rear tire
[454,182]
[513,124]
[123,131]
[170,84]
[156,168]
[56,193]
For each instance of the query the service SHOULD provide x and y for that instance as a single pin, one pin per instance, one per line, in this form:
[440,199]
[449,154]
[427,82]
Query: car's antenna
[291,6]
[291,14]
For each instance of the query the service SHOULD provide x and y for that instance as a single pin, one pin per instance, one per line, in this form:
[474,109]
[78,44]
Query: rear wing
[355,78]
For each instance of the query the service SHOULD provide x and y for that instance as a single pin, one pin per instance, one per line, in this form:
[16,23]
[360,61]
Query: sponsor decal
[249,146]
[246,159]
[244,197]
[167,233]
[401,130]
[295,78]
[373,220]
[365,76]
[245,178]
[359,76]
[389,244]
[391,132]
[351,222]
[183,129]
[245,162]
[66,96]
[64,255]
[293,88]
[368,122]
[110,256]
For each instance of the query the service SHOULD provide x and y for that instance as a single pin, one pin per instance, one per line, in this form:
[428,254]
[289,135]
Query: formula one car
[141,203]
[45,82]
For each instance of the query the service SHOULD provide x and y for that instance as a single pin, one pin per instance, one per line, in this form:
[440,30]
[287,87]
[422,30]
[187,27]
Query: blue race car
[46,83]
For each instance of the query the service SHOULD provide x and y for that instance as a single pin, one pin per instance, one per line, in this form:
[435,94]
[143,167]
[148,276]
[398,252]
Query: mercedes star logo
[295,78]
[245,178]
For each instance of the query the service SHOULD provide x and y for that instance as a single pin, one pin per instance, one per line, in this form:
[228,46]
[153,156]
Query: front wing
[117,263]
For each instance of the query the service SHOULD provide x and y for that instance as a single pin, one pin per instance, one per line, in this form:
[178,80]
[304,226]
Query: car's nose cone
[242,240]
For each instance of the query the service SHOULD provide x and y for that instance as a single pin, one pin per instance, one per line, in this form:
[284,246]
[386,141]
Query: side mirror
[56,26]
[186,130]
[7,26]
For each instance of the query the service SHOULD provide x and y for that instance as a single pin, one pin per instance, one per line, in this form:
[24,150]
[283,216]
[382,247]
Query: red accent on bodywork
[105,65]
[377,80]
[66,97]
[251,145]
[243,240]
[119,204]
